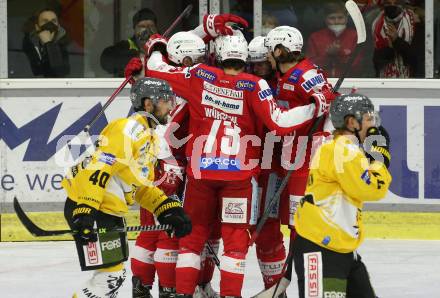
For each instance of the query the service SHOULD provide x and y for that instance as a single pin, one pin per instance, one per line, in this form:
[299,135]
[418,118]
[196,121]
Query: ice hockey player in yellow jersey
[345,172]
[102,187]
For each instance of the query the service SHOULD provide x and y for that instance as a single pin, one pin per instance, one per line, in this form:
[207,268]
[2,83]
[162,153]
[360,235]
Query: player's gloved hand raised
[83,220]
[133,68]
[216,24]
[377,145]
[156,42]
[321,104]
[170,212]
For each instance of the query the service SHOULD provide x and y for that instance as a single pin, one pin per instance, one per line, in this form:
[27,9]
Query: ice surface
[398,268]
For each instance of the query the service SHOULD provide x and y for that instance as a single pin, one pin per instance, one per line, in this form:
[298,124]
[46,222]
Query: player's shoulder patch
[366,177]
[245,85]
[265,91]
[312,79]
[295,76]
[205,74]
[107,158]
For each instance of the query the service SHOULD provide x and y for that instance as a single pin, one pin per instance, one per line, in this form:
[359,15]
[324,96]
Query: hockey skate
[167,292]
[205,291]
[140,291]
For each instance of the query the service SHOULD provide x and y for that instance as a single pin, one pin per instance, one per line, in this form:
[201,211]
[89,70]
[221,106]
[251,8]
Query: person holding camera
[45,46]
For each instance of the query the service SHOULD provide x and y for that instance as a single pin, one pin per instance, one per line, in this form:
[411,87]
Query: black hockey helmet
[354,104]
[150,88]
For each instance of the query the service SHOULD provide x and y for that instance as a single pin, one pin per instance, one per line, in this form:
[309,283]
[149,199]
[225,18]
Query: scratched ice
[398,268]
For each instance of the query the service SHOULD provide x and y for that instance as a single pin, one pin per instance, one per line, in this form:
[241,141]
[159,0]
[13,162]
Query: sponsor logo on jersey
[107,158]
[289,87]
[111,245]
[219,164]
[245,85]
[223,91]
[295,76]
[366,177]
[313,82]
[313,274]
[92,253]
[134,130]
[144,172]
[234,210]
[206,75]
[271,268]
[227,105]
[265,94]
[213,113]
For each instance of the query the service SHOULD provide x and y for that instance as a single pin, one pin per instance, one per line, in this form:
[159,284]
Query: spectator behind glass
[331,47]
[268,22]
[394,30]
[45,45]
[114,58]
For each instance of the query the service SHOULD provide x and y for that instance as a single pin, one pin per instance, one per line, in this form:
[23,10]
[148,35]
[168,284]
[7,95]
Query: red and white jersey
[227,116]
[295,88]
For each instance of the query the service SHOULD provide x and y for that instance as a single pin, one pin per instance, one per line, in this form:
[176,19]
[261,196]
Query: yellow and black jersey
[340,180]
[120,171]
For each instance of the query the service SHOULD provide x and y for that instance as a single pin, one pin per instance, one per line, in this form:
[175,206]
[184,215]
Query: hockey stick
[183,15]
[39,232]
[356,15]
[213,254]
[284,282]
[105,106]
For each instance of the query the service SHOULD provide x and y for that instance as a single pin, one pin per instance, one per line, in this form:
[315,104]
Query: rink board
[37,115]
[378,225]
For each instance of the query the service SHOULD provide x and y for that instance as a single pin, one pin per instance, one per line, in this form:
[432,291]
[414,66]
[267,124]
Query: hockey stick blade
[358,20]
[274,291]
[39,232]
[33,228]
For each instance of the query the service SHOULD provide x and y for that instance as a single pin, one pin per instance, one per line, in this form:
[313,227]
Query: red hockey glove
[322,105]
[156,43]
[170,177]
[215,25]
[133,67]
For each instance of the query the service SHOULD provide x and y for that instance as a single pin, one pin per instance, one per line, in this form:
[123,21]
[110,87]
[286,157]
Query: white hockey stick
[356,15]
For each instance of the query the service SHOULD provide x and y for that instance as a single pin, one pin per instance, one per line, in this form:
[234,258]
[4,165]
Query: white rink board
[36,114]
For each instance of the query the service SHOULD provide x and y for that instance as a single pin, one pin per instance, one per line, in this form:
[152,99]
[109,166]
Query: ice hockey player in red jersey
[157,251]
[299,80]
[228,109]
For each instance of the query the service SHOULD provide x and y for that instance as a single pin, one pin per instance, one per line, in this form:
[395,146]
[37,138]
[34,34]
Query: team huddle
[211,139]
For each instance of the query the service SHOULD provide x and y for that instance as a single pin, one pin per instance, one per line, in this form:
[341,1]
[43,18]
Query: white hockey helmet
[185,44]
[232,47]
[287,36]
[257,50]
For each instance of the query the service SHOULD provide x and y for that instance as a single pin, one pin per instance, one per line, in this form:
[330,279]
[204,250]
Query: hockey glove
[171,212]
[133,68]
[215,25]
[321,104]
[378,149]
[156,42]
[83,220]
[170,176]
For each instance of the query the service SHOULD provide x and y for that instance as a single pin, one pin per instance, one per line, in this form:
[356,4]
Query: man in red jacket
[331,47]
